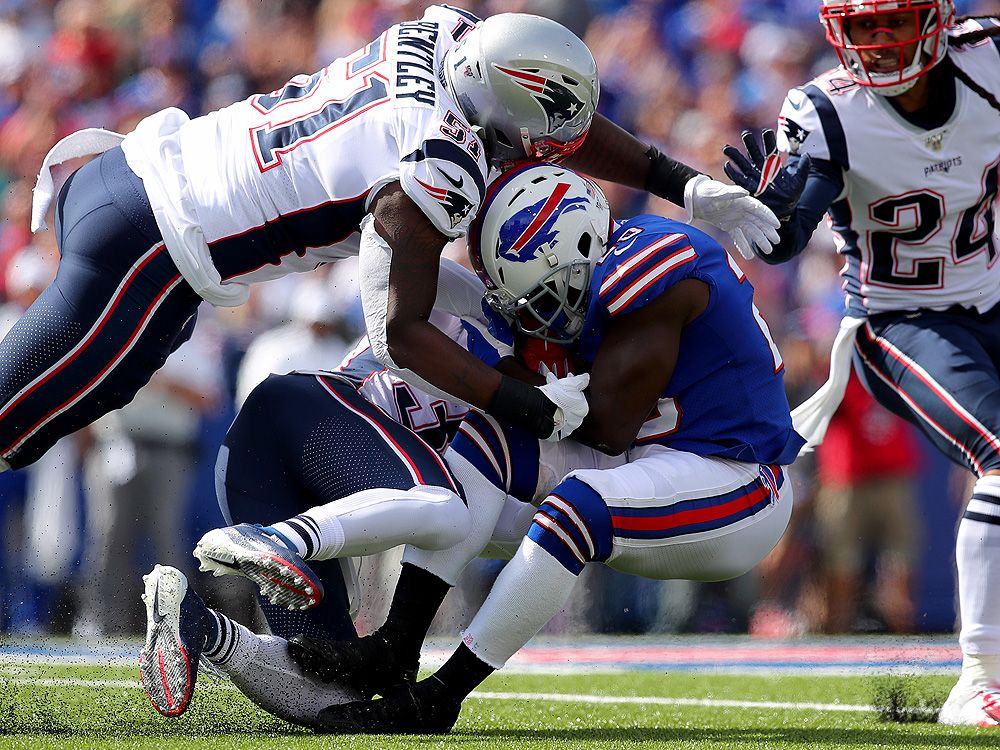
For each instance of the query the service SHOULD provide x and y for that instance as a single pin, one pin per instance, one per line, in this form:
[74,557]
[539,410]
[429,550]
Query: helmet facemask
[535,244]
[555,309]
[931,20]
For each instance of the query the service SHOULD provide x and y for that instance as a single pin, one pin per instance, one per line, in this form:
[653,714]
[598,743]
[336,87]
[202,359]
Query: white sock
[229,636]
[485,504]
[259,665]
[978,554]
[530,591]
[376,520]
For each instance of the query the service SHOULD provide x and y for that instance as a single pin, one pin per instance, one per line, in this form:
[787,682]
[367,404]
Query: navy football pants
[940,371]
[116,310]
[306,440]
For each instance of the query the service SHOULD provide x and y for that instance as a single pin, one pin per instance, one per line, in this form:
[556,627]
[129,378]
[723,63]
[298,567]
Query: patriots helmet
[528,82]
[932,17]
[535,243]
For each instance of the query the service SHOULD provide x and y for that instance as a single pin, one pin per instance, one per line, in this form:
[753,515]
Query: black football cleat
[368,664]
[421,708]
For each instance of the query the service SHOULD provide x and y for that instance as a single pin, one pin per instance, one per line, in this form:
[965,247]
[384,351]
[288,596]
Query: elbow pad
[374,258]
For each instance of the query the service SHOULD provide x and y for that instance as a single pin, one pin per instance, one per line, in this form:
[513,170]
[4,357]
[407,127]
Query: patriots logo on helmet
[556,99]
[794,132]
[531,228]
[455,204]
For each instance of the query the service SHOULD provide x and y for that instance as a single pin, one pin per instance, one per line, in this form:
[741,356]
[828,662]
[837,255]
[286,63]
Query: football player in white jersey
[362,446]
[900,146]
[393,141]
[676,482]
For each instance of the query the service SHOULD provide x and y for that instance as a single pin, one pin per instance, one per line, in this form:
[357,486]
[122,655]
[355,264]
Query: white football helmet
[933,17]
[535,243]
[528,82]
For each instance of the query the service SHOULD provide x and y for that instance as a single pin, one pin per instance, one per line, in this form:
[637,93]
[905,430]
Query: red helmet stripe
[543,216]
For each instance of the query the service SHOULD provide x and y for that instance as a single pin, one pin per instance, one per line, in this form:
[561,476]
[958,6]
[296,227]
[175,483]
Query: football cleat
[281,574]
[369,664]
[423,708]
[972,705]
[176,627]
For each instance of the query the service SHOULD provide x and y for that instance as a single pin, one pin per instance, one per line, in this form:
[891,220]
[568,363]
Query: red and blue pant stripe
[116,310]
[939,371]
[697,514]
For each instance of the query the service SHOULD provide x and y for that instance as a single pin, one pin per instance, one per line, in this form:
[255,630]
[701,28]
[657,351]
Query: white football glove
[732,209]
[571,404]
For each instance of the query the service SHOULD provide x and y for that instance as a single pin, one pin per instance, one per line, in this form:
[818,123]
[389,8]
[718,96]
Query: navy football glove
[759,172]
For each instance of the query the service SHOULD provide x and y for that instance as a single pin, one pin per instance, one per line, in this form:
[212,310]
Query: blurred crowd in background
[78,529]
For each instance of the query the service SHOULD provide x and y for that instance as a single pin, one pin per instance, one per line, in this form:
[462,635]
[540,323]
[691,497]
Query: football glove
[571,402]
[759,171]
[732,209]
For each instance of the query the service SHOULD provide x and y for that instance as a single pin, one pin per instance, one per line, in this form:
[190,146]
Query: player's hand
[538,354]
[760,172]
[571,402]
[732,209]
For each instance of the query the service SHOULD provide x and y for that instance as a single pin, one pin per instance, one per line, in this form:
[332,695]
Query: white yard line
[501,696]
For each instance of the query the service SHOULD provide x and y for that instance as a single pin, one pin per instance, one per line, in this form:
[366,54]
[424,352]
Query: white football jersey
[274,182]
[433,418]
[915,220]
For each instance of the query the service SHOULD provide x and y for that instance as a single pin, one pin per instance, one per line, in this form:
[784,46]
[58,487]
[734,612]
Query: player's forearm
[613,154]
[824,185]
[418,346]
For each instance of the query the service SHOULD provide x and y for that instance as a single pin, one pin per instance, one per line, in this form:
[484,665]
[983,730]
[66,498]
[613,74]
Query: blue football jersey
[726,397]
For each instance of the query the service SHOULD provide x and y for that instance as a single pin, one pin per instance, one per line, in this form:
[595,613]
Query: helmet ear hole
[583,246]
[503,140]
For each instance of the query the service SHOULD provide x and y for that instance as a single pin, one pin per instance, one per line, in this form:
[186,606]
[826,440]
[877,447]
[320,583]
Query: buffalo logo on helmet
[456,205]
[556,99]
[533,227]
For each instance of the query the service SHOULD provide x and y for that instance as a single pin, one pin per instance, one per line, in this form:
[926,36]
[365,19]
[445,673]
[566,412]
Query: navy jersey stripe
[319,226]
[437,148]
[464,13]
[832,128]
[982,518]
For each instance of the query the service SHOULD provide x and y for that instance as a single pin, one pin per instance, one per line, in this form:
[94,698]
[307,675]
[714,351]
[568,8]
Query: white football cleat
[971,704]
[175,636]
[281,574]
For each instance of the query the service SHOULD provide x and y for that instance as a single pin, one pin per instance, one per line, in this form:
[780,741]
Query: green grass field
[104,707]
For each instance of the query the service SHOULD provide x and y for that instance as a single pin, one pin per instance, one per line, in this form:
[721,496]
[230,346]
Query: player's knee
[450,519]
[573,525]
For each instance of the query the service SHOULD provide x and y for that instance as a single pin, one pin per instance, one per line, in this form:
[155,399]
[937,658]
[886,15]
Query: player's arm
[612,153]
[399,260]
[412,341]
[824,183]
[634,363]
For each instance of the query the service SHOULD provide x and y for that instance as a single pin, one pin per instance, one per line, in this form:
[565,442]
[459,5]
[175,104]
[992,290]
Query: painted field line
[505,696]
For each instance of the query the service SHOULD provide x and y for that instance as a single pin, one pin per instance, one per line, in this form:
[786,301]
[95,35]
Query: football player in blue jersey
[394,141]
[684,377]
[900,146]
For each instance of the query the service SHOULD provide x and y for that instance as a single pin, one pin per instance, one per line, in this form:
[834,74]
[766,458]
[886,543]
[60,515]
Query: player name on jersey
[416,42]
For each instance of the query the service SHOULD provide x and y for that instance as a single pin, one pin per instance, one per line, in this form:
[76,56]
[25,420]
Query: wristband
[521,405]
[667,177]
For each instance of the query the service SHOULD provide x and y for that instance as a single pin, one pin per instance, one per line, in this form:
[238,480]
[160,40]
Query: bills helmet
[932,19]
[535,243]
[528,82]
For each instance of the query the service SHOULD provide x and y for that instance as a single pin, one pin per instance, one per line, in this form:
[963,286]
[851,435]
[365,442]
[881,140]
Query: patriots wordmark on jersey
[916,219]
[275,182]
